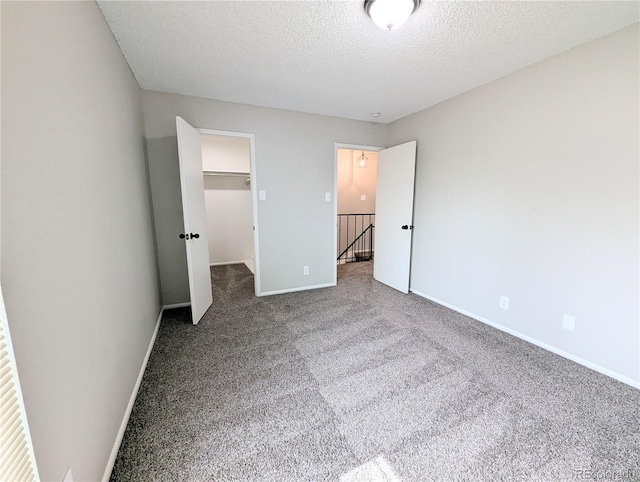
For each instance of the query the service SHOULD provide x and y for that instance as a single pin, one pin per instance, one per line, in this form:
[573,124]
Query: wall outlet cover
[327,196]
[569,322]
[305,270]
[504,302]
[363,197]
[263,195]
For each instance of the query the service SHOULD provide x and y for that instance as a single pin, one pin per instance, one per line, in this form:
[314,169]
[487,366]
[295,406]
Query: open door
[195,219]
[394,215]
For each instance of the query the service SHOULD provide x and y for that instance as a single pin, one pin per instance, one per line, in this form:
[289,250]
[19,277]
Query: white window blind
[17,460]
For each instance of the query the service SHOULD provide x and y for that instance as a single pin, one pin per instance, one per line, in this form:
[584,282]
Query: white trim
[256,237]
[335,211]
[552,349]
[292,290]
[358,147]
[132,400]
[224,263]
[216,132]
[353,147]
[176,305]
[254,195]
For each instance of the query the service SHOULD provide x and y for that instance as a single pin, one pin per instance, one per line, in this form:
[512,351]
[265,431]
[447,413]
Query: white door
[394,215]
[195,218]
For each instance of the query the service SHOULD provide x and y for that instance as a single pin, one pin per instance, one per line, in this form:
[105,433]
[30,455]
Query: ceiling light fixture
[362,160]
[390,14]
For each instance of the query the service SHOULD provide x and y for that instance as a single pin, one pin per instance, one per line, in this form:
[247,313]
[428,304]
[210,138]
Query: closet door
[195,219]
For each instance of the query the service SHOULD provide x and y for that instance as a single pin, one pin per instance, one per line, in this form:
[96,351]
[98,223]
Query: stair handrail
[370,227]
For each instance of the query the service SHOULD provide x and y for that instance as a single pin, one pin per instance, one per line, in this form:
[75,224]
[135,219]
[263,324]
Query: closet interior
[227,192]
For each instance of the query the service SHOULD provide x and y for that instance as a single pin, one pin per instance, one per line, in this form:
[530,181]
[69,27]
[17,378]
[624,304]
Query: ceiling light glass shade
[390,14]
[362,160]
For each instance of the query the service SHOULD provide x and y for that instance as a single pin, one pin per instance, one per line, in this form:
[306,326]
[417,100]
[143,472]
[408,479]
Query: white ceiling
[327,56]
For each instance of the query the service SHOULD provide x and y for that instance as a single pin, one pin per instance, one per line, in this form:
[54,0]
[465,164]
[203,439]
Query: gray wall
[78,267]
[528,187]
[164,176]
[294,164]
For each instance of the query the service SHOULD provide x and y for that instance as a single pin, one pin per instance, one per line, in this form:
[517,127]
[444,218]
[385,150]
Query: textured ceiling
[327,57]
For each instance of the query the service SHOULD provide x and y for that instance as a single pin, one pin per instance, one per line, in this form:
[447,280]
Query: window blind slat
[25,473]
[17,460]
[21,467]
[13,429]
[13,443]
[8,417]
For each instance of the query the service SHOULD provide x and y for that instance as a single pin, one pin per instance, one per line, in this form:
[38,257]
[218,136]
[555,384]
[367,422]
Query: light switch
[363,197]
[327,196]
[263,195]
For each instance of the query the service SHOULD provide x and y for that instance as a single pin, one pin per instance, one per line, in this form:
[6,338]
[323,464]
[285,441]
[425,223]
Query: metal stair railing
[355,237]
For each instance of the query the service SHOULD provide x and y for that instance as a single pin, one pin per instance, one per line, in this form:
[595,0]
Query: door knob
[195,235]
[405,226]
[182,236]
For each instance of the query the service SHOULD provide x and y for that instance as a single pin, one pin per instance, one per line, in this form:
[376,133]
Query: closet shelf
[226,173]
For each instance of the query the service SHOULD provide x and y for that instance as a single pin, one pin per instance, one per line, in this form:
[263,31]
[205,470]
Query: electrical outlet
[569,322]
[363,197]
[263,195]
[327,196]
[305,270]
[504,302]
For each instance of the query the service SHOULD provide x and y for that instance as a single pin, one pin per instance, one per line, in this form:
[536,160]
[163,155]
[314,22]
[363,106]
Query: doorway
[388,228]
[228,165]
[195,235]
[355,199]
[227,196]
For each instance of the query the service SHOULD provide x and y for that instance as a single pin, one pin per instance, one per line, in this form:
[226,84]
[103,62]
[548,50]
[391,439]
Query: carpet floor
[310,386]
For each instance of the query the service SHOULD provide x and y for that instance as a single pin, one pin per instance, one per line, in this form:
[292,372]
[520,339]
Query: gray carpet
[309,386]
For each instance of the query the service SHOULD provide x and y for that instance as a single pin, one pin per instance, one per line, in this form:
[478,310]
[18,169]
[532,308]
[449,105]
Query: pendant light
[390,14]
[362,160]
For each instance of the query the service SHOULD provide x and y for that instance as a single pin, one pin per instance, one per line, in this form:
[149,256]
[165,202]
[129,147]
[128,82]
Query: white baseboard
[247,262]
[553,349]
[292,290]
[132,400]
[175,305]
[224,263]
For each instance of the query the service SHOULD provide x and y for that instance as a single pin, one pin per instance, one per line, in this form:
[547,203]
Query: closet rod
[225,173]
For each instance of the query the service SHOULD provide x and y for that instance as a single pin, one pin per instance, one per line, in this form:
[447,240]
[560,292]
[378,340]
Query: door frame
[254,195]
[353,147]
